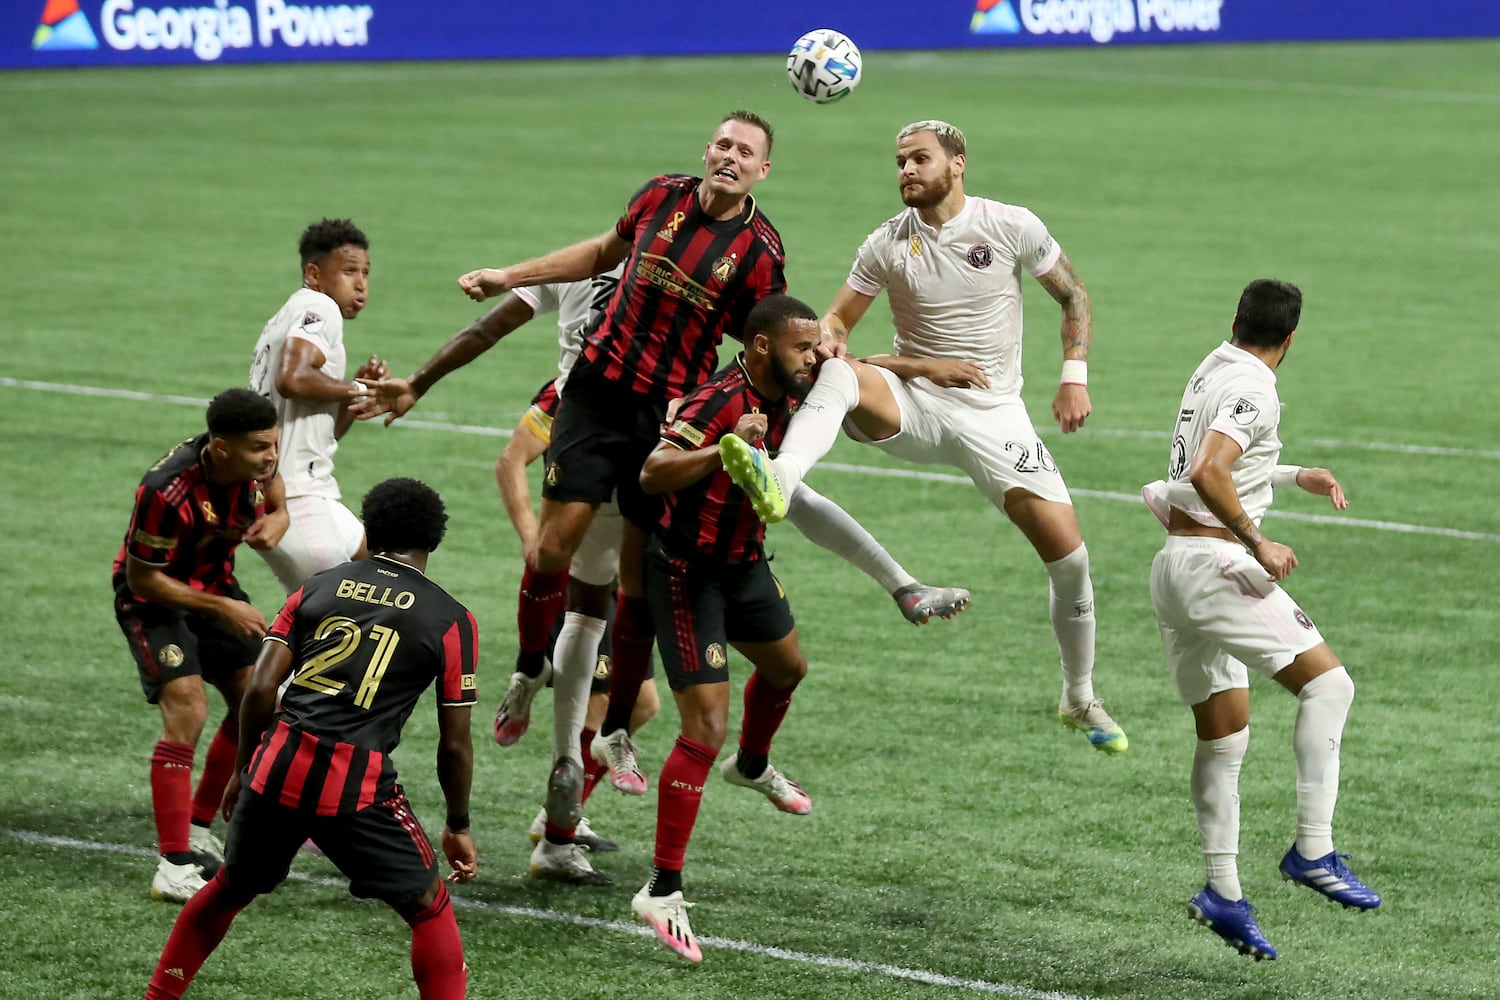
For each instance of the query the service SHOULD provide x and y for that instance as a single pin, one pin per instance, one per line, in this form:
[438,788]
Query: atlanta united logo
[550,478]
[725,267]
[714,654]
[1302,619]
[980,256]
[170,655]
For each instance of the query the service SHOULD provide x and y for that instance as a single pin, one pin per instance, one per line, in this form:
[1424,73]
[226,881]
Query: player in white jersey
[299,364]
[951,268]
[1220,611]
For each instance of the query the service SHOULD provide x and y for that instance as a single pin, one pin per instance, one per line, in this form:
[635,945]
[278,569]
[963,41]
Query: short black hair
[326,235]
[403,515]
[240,411]
[773,312]
[1268,313]
[751,118]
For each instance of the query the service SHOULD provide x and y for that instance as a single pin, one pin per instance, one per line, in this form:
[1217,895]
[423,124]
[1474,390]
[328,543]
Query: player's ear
[762,344]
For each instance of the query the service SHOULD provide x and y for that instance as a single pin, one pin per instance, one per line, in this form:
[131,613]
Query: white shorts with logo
[997,446]
[1218,611]
[597,560]
[323,534]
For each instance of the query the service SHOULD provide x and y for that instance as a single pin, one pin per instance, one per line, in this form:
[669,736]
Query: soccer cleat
[176,883]
[1096,724]
[208,850]
[1331,877]
[583,835]
[919,602]
[514,713]
[564,788]
[564,863]
[751,469]
[667,916]
[617,753]
[784,793]
[1232,921]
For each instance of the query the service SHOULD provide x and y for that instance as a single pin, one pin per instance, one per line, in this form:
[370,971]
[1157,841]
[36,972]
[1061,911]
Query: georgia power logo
[63,27]
[206,31]
[1101,20]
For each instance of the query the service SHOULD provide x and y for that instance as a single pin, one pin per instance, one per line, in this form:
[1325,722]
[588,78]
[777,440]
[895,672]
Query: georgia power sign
[206,31]
[1101,20]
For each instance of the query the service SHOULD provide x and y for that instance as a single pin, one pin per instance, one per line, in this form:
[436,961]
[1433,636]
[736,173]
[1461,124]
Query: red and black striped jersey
[689,280]
[712,518]
[367,639]
[188,525]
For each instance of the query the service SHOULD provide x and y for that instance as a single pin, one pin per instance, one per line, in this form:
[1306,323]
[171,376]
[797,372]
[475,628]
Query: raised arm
[947,372]
[572,263]
[1210,474]
[669,468]
[848,308]
[1071,405]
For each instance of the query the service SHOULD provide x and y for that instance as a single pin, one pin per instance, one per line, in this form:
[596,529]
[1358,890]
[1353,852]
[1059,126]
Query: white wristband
[360,390]
[1285,475]
[1075,372]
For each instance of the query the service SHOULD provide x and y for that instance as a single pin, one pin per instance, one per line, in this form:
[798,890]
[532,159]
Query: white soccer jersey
[955,292]
[307,441]
[577,304]
[1234,393]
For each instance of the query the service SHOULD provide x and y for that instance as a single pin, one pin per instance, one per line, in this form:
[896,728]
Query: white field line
[595,923]
[870,470]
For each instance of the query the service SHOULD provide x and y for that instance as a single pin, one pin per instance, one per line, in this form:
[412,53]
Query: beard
[929,194]
[794,383]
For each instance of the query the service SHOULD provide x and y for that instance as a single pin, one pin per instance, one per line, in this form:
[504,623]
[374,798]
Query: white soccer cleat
[176,883]
[203,843]
[1094,722]
[564,863]
[514,715]
[784,793]
[919,602]
[667,916]
[617,753]
[583,835]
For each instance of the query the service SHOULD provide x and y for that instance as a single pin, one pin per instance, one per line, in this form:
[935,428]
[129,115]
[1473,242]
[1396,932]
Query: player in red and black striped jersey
[360,644]
[700,255]
[186,619]
[710,586]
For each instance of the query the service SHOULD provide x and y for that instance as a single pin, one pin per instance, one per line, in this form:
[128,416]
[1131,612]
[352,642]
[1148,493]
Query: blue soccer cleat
[1330,876]
[751,469]
[1232,921]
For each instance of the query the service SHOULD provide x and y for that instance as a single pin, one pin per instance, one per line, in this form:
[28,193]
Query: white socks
[815,427]
[825,523]
[1216,801]
[574,657]
[1322,707]
[1072,605]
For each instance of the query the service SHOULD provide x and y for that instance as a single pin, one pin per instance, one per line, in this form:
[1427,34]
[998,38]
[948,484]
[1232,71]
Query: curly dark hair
[326,235]
[240,411]
[403,515]
[772,313]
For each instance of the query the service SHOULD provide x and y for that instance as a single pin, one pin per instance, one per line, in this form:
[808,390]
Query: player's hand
[484,283]
[1320,482]
[953,374]
[1276,559]
[393,397]
[831,346]
[231,796]
[459,848]
[1071,406]
[673,405]
[752,427]
[266,531]
[374,369]
[242,618]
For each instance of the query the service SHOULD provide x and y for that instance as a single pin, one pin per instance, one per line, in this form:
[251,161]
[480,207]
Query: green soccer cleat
[1094,722]
[750,468]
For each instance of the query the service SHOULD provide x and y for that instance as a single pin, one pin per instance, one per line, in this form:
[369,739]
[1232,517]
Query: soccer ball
[823,66]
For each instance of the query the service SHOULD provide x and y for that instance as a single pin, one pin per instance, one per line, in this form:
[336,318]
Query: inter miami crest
[980,256]
[1302,619]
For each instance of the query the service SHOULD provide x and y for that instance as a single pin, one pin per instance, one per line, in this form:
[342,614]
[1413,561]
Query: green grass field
[960,837]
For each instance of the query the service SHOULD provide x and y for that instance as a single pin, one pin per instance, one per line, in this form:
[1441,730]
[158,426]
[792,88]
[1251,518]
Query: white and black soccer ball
[824,65]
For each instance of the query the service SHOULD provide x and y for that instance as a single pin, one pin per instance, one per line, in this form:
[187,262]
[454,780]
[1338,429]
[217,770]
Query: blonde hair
[950,137]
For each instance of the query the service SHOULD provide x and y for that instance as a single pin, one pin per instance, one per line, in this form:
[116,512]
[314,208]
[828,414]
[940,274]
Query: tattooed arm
[1211,478]
[1071,405]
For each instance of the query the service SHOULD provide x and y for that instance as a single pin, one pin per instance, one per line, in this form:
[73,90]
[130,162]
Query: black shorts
[168,644]
[600,439]
[381,849]
[699,607]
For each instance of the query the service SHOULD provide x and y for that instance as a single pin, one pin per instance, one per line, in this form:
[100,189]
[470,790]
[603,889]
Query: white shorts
[323,534]
[997,447]
[1218,611]
[597,560]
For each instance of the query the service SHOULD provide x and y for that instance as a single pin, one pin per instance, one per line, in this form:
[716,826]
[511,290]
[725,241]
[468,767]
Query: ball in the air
[824,65]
